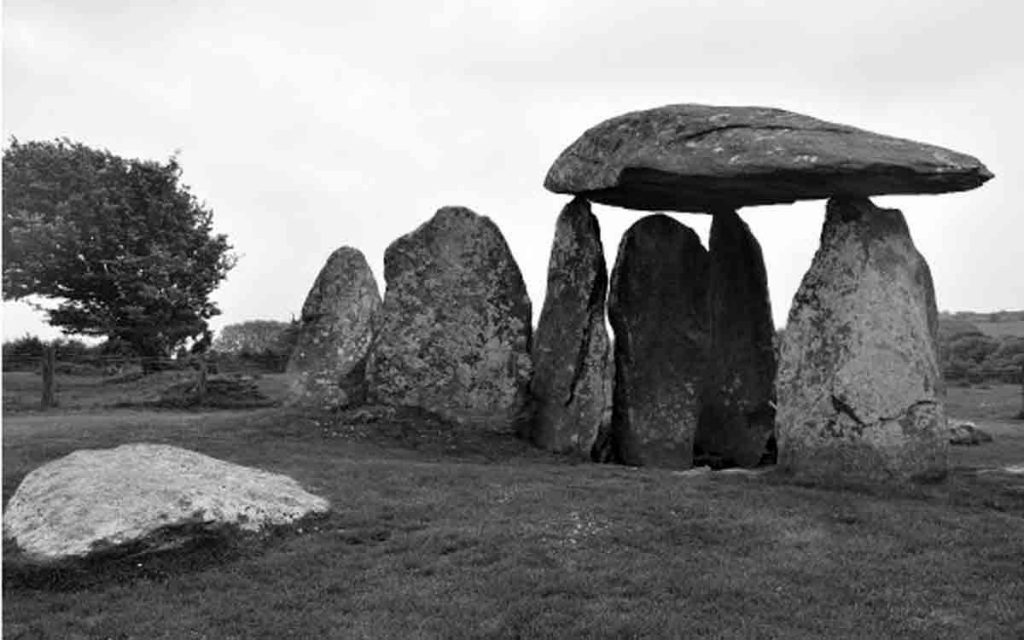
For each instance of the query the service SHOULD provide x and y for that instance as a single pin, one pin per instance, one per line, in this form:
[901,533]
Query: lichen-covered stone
[455,330]
[859,386]
[149,496]
[738,413]
[700,158]
[327,368]
[658,311]
[570,387]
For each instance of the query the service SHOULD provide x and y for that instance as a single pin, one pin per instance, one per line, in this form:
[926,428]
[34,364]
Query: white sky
[310,125]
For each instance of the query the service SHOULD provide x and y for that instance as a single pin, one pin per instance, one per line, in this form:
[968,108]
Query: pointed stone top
[700,158]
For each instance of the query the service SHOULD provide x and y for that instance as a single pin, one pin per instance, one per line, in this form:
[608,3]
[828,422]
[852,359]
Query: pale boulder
[144,495]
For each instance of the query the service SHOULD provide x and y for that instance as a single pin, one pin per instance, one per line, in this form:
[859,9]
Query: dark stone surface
[327,368]
[658,310]
[570,387]
[701,158]
[738,414]
[859,386]
[455,330]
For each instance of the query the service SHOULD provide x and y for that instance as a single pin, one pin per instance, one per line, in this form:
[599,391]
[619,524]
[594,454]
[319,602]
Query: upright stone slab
[738,414]
[327,368]
[859,384]
[570,387]
[455,333]
[658,311]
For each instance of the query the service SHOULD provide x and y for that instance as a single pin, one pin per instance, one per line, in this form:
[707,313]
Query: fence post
[49,364]
[1021,414]
[201,385]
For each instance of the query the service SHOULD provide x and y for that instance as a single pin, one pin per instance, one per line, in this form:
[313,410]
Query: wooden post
[49,388]
[201,385]
[1021,414]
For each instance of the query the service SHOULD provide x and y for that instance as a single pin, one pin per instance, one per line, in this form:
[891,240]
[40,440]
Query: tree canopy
[124,249]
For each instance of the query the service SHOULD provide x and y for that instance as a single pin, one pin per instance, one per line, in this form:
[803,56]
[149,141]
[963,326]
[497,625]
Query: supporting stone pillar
[738,413]
[570,386]
[658,310]
[859,384]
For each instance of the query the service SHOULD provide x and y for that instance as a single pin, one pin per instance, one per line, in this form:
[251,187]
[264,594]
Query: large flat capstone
[859,386]
[700,158]
[150,495]
[455,330]
[571,387]
[658,310]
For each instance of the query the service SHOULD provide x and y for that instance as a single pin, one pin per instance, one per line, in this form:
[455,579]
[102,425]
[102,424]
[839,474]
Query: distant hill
[974,346]
[995,323]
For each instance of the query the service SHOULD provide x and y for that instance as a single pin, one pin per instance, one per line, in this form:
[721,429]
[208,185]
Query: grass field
[446,535]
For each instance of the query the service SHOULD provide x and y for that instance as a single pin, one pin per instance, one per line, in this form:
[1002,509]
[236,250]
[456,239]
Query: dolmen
[856,394]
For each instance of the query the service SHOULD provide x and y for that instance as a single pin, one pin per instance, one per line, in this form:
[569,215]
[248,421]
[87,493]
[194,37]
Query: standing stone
[658,310]
[455,334]
[859,383]
[738,415]
[327,368]
[570,387]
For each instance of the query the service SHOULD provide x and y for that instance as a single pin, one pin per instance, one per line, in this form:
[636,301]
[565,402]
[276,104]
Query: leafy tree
[254,336]
[124,249]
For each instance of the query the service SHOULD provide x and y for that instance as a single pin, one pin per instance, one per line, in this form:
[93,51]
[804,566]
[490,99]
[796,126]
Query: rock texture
[144,495]
[327,368]
[738,414]
[570,353]
[859,385]
[658,311]
[701,158]
[455,332]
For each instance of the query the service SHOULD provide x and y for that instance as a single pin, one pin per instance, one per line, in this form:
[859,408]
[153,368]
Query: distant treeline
[253,346]
[982,347]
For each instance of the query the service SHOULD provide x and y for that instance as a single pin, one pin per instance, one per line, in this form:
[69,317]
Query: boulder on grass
[964,433]
[146,496]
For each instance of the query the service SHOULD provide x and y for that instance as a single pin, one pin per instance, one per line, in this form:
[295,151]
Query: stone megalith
[328,365]
[570,387]
[701,158]
[144,497]
[859,386]
[658,311]
[738,413]
[455,328]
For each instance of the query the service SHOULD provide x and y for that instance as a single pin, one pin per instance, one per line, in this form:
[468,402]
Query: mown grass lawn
[437,536]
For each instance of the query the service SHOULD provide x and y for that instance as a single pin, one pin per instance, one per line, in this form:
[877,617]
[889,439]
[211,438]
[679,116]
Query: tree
[124,249]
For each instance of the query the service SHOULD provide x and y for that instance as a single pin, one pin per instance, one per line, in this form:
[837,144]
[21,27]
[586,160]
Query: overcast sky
[306,126]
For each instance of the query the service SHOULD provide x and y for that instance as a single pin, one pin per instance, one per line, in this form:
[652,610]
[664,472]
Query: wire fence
[81,377]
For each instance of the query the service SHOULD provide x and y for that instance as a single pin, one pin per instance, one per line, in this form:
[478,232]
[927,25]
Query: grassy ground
[444,535]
